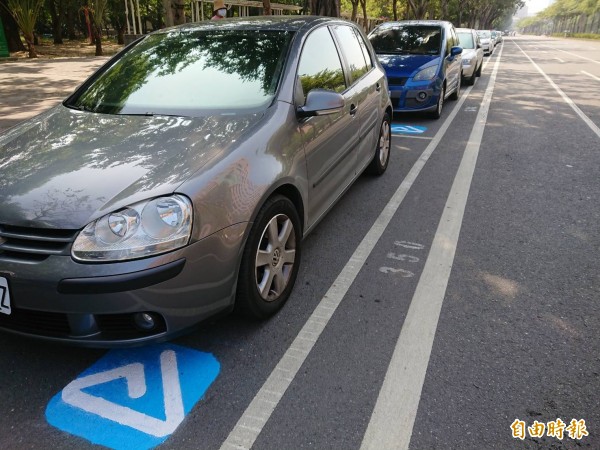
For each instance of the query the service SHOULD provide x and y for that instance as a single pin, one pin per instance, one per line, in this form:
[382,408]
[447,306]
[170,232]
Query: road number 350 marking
[403,258]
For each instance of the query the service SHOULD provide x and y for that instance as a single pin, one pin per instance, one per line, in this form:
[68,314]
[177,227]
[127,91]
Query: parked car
[487,43]
[422,60]
[497,36]
[472,55]
[179,180]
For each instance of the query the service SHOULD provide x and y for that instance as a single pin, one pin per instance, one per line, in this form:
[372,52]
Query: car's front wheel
[437,113]
[271,259]
[471,80]
[382,153]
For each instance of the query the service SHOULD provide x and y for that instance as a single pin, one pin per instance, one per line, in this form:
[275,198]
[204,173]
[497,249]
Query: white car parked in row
[472,54]
[487,43]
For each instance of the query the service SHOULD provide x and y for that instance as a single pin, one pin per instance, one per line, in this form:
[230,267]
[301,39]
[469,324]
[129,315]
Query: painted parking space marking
[590,75]
[408,129]
[134,398]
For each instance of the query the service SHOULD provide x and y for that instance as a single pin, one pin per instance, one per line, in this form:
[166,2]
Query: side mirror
[455,51]
[320,102]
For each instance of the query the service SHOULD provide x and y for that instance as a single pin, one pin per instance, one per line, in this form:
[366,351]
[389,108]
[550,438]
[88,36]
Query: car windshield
[484,34]
[407,39]
[187,73]
[465,39]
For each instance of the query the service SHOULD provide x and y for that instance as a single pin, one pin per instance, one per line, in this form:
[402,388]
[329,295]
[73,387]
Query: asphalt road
[435,305]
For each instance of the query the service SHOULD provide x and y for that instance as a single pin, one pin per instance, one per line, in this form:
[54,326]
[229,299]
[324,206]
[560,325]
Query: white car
[487,42]
[472,54]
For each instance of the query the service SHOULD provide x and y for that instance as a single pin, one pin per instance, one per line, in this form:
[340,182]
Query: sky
[535,6]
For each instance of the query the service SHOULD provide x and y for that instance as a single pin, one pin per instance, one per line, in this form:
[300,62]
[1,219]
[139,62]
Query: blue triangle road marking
[134,399]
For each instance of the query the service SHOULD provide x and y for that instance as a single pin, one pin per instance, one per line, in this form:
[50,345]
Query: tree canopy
[87,18]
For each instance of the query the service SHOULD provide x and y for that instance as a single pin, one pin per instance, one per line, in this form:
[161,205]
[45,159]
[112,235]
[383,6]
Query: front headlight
[426,74]
[466,62]
[143,229]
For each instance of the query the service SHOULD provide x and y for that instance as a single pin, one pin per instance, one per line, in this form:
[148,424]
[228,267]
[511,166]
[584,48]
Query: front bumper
[414,97]
[468,69]
[59,299]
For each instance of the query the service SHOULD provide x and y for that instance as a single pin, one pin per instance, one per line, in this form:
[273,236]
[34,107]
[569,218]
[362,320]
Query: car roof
[464,29]
[419,22]
[280,23]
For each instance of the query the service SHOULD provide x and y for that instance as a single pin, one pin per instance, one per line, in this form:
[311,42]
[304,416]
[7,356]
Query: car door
[330,141]
[453,63]
[365,86]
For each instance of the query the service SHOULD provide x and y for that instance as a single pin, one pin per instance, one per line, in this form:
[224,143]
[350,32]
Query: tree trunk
[71,15]
[267,7]
[56,9]
[395,9]
[98,39]
[363,4]
[30,45]
[445,10]
[178,12]
[11,29]
[354,10]
[121,35]
[329,8]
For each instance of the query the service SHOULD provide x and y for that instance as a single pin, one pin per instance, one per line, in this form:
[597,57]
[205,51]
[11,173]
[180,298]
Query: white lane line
[569,53]
[559,60]
[261,405]
[394,415]
[590,75]
[570,102]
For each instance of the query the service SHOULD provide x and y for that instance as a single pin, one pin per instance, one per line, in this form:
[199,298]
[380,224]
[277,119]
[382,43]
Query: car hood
[468,53]
[484,40]
[405,65]
[65,168]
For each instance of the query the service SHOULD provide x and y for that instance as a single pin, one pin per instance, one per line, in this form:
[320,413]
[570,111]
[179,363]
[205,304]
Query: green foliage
[594,36]
[563,15]
[99,9]
[25,13]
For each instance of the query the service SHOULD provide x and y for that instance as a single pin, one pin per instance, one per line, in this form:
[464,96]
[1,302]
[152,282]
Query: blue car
[422,60]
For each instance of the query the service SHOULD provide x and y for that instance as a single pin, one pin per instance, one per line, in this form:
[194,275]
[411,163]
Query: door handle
[353,109]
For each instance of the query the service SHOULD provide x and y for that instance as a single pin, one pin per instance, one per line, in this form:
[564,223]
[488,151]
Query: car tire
[381,158]
[456,93]
[471,80]
[437,113]
[478,72]
[270,260]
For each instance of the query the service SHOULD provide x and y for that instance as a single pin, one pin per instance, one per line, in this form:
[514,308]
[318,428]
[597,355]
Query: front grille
[36,322]
[34,244]
[397,81]
[122,326]
[111,327]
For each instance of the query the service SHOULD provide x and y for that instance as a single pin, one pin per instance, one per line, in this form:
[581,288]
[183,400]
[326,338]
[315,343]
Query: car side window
[448,40]
[352,51]
[365,50]
[320,66]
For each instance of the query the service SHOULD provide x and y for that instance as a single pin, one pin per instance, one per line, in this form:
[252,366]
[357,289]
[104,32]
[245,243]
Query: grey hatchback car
[179,180]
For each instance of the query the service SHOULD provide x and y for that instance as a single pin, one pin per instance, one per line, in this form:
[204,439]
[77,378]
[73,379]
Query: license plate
[4,297]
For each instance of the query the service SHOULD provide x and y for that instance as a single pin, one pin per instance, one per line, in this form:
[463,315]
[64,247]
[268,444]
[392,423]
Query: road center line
[260,409]
[394,415]
[570,102]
